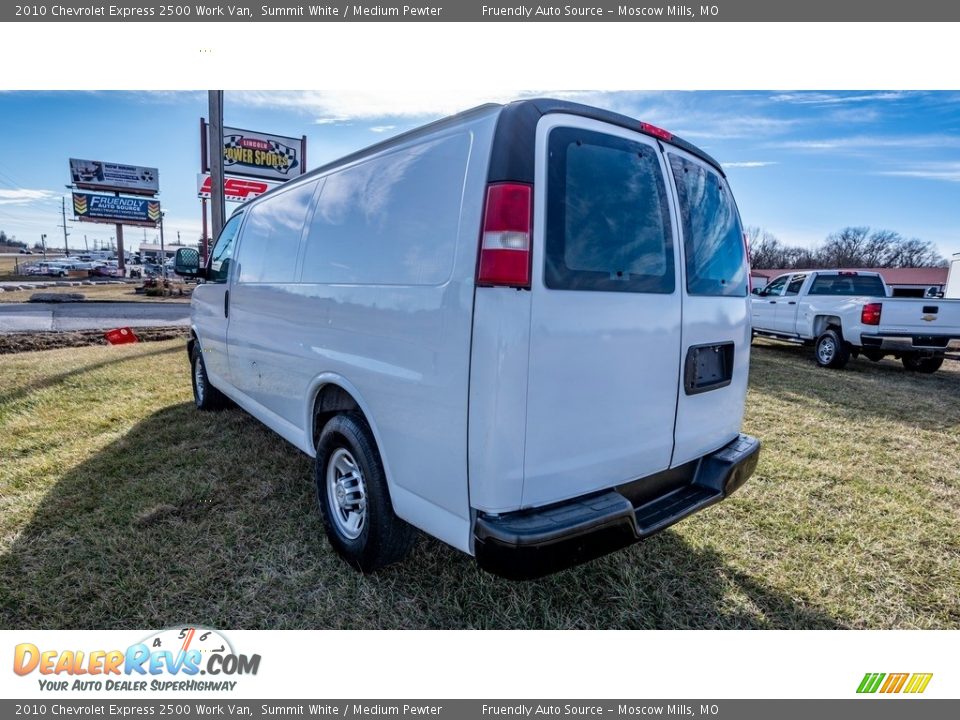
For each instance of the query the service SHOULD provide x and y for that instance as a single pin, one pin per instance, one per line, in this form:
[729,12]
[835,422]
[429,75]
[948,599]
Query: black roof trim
[512,158]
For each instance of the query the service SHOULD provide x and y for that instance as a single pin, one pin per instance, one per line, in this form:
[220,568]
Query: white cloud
[861,142]
[382,128]
[749,164]
[820,98]
[23,196]
[343,105]
[943,171]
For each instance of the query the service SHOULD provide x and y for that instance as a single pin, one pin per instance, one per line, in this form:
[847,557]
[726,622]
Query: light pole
[163,254]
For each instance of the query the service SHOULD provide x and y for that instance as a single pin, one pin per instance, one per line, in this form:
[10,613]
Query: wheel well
[331,400]
[822,323]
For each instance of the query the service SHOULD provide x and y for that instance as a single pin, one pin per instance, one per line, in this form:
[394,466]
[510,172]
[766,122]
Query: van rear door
[716,309]
[605,330]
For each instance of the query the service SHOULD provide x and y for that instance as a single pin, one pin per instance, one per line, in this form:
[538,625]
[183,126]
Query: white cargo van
[524,330]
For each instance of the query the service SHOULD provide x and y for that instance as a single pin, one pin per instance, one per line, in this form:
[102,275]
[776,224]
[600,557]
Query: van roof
[512,157]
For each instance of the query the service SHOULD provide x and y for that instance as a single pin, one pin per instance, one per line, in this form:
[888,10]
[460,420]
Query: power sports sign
[113,210]
[259,155]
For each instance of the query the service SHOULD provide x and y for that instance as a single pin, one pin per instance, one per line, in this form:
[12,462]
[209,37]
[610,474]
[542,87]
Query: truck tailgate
[920,316]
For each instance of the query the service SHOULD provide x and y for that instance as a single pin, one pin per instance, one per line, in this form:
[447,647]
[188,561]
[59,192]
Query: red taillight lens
[657,132]
[505,240]
[870,315]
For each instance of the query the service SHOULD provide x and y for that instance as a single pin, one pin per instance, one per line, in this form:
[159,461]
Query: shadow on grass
[882,390]
[210,518]
[21,391]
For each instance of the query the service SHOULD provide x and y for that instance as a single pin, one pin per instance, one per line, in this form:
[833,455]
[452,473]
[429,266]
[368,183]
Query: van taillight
[505,240]
[870,315]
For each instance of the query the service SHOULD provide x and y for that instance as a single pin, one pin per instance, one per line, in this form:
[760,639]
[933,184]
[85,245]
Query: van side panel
[385,301]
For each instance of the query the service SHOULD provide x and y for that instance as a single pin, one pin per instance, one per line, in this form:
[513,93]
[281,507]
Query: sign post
[217,206]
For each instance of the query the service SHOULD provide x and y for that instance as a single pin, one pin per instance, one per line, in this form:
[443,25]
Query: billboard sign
[116,210]
[98,175]
[234,189]
[260,155]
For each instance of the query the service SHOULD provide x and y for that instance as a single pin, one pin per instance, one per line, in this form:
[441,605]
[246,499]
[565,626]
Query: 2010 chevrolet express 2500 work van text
[524,330]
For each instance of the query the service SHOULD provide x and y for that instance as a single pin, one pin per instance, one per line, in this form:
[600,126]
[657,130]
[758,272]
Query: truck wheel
[354,500]
[921,364]
[205,395]
[830,350]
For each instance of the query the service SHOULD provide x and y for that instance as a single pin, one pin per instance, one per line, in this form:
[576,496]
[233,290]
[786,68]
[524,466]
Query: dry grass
[121,507]
[106,292]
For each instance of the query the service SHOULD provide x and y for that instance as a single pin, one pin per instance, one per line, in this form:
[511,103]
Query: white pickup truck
[844,313]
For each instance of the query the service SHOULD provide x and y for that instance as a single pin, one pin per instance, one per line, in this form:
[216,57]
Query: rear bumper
[911,343]
[533,543]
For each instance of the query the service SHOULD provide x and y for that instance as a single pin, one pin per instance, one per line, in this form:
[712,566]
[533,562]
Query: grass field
[123,507]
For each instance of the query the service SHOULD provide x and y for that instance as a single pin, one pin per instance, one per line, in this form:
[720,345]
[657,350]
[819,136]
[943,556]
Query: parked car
[53,269]
[492,329]
[844,313]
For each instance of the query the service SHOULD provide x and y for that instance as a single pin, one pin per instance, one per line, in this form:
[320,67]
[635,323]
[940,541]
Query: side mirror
[187,263]
[757,291]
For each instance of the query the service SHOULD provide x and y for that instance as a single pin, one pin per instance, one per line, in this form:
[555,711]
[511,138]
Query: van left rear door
[605,314]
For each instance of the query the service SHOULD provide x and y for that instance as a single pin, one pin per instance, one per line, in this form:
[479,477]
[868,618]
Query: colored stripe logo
[913,683]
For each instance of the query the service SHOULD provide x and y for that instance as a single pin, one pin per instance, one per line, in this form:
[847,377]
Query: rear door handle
[226,303]
[773,302]
[792,302]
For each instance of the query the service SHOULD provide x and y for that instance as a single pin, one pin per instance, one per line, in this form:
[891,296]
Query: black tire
[205,395]
[830,350]
[922,364]
[383,538]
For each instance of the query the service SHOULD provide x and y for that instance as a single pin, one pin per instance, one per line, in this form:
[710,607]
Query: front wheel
[205,395]
[354,499]
[830,350]
[922,364]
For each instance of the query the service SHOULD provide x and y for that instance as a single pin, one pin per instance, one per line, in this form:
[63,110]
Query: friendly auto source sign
[112,209]
[98,175]
[260,155]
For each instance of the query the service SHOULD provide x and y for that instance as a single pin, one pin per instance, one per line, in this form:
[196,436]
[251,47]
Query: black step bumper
[533,543]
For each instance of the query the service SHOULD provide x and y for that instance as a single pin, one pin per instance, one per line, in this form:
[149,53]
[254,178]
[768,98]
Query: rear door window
[712,236]
[608,219]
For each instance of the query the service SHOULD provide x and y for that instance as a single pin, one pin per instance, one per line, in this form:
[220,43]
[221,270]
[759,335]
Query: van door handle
[226,303]
[773,302]
[792,302]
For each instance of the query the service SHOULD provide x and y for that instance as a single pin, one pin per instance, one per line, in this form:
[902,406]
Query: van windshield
[712,236]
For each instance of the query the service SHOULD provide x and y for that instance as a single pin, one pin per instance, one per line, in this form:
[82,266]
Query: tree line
[851,247]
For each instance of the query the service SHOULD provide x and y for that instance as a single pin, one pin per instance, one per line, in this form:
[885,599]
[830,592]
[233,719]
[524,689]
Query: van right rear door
[605,316]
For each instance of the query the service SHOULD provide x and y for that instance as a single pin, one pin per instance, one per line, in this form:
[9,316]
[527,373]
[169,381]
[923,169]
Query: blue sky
[802,164]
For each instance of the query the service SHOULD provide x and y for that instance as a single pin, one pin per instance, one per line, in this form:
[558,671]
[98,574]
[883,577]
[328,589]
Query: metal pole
[63,211]
[203,235]
[43,245]
[86,246]
[163,254]
[121,261]
[215,143]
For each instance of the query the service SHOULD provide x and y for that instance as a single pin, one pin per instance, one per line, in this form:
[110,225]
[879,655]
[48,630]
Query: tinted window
[712,236]
[222,254]
[795,284]
[608,222]
[391,220]
[271,236]
[848,285]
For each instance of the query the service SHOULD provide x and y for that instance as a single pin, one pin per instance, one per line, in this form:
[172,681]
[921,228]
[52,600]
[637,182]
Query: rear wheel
[922,364]
[354,500]
[205,395]
[830,350]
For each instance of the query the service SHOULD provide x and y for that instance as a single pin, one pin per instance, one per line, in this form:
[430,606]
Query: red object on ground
[121,336]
